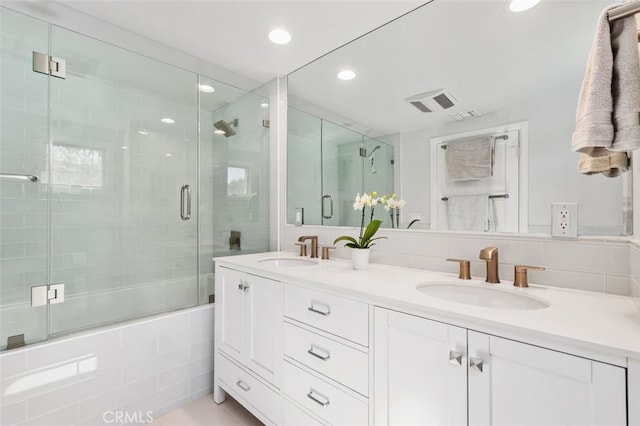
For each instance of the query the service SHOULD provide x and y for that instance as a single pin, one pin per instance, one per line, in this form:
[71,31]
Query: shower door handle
[30,178]
[324,197]
[185,204]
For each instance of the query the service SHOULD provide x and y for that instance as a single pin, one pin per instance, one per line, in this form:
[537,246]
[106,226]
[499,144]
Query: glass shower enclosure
[116,182]
[328,164]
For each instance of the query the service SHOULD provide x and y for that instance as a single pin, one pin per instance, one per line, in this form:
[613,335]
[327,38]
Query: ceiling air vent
[433,100]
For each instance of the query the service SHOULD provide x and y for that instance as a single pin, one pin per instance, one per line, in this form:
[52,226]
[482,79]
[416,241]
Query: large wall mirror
[448,73]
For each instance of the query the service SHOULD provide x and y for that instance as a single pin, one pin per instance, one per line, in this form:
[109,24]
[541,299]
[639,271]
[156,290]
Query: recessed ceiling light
[280,36]
[264,105]
[168,120]
[219,132]
[346,75]
[167,155]
[206,88]
[522,5]
[143,132]
[124,147]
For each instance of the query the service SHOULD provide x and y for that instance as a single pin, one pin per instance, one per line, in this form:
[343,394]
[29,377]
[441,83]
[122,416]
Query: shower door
[377,173]
[23,199]
[123,184]
[341,174]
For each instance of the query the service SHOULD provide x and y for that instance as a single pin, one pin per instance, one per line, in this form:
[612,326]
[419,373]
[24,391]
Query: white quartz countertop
[578,320]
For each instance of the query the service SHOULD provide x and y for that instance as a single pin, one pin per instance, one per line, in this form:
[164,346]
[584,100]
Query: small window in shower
[77,166]
[238,181]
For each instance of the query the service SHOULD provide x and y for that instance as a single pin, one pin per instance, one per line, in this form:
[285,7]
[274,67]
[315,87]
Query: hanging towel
[468,212]
[470,159]
[608,113]
[610,166]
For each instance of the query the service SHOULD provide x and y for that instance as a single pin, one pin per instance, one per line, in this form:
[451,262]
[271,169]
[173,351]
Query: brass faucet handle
[325,252]
[303,248]
[465,268]
[520,278]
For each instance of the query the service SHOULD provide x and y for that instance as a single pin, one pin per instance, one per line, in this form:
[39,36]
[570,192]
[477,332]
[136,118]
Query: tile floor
[206,412]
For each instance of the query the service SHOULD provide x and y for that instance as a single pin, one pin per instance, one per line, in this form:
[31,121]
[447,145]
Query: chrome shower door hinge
[49,65]
[43,294]
[363,152]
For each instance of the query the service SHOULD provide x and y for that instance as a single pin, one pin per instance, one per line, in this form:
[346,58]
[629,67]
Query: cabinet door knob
[246,287]
[476,363]
[312,351]
[455,357]
[242,385]
[317,398]
[240,285]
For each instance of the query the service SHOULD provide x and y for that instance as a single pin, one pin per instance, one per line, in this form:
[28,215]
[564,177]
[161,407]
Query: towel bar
[490,196]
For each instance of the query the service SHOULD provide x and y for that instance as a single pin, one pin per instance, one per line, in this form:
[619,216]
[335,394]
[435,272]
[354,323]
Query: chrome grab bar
[324,197]
[30,178]
[185,215]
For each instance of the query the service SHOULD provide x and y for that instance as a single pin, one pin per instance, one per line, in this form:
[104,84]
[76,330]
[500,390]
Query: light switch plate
[564,220]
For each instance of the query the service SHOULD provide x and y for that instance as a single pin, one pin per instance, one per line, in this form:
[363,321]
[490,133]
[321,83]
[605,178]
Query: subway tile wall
[600,265]
[153,366]
[634,264]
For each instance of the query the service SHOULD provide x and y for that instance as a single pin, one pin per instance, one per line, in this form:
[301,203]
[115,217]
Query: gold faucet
[314,243]
[520,274]
[490,255]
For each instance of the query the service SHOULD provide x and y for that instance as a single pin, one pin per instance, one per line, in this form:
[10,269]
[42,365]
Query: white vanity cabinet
[326,358]
[249,341]
[428,372]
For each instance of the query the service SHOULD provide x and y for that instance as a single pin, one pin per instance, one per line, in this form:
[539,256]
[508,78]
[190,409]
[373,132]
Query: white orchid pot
[360,258]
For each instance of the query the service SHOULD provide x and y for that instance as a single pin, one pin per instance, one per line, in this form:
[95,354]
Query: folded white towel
[608,113]
[470,159]
[468,212]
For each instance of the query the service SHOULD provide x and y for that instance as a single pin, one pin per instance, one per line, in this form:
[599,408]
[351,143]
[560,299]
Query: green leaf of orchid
[347,238]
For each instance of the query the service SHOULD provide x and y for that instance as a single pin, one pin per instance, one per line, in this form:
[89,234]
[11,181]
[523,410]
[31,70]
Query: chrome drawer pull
[476,363]
[455,357]
[326,313]
[242,385]
[312,351]
[318,399]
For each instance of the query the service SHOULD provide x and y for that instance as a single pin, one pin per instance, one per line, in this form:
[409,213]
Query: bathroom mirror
[498,68]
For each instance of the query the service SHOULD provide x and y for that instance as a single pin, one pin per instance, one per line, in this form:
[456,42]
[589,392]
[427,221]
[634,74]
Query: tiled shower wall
[152,366]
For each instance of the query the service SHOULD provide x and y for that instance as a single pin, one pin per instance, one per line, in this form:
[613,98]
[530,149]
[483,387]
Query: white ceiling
[489,59]
[233,34]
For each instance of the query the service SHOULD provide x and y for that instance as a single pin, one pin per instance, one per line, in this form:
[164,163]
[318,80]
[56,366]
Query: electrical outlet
[564,220]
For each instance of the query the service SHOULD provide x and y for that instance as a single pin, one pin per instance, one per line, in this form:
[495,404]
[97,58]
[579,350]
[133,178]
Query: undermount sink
[287,261]
[481,295]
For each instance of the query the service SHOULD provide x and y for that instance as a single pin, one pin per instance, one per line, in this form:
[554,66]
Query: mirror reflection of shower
[373,158]
[225,128]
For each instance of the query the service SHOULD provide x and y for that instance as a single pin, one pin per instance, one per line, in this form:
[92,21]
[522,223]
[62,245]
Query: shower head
[226,128]
[374,150]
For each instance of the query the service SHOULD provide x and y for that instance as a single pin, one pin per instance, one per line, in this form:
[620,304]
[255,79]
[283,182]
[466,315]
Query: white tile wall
[592,264]
[152,365]
[634,263]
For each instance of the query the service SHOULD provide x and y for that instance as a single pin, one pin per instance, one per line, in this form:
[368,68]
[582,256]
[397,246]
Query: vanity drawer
[322,399]
[294,416]
[336,315]
[249,389]
[340,362]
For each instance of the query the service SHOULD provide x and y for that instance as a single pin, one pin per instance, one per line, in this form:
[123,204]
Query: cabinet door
[420,371]
[521,384]
[230,312]
[264,327]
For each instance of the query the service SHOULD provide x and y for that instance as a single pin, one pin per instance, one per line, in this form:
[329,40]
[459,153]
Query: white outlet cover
[564,220]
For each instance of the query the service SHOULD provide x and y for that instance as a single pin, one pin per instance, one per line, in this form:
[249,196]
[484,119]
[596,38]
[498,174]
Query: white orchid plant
[393,204]
[366,238]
